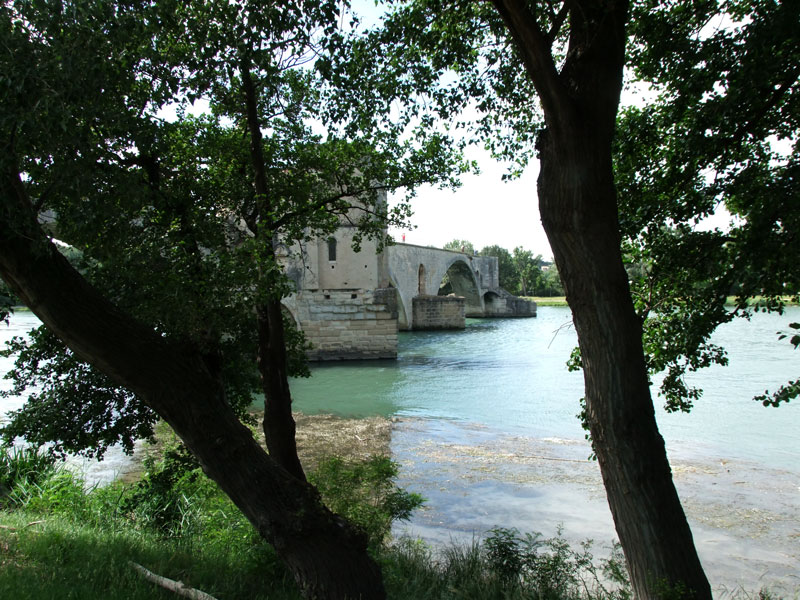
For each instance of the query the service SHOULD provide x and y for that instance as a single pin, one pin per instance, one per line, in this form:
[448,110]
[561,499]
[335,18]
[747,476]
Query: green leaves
[74,407]
[726,77]
[178,215]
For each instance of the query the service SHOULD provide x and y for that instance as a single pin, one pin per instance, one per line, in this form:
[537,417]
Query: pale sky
[484,210]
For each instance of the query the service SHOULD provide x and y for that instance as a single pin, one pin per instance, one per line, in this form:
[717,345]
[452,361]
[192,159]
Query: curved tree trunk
[279,425]
[327,556]
[578,204]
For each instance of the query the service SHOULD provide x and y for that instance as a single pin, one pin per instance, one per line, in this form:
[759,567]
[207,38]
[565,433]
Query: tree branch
[178,587]
[772,101]
[254,127]
[558,21]
[536,52]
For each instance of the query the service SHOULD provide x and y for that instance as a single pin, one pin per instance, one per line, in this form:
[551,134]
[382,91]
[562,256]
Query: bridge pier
[438,312]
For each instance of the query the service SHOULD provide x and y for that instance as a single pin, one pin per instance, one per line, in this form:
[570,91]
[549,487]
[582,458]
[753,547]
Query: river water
[485,429]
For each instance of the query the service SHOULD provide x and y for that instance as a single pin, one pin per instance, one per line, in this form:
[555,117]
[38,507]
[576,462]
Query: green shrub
[163,498]
[22,469]
[552,568]
[365,493]
[506,565]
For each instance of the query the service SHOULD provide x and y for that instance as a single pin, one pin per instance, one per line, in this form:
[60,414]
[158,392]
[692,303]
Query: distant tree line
[520,271]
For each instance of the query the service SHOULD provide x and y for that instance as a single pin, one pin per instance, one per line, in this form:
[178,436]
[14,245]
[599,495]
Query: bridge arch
[492,302]
[463,281]
[418,270]
[289,310]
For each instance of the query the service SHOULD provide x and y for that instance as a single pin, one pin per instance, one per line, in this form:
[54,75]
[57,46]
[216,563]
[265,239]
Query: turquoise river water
[485,429]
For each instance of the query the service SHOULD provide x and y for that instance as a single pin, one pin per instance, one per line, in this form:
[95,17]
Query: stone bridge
[420,272]
[350,304]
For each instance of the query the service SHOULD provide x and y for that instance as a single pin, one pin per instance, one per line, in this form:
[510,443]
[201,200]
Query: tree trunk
[578,204]
[326,555]
[279,425]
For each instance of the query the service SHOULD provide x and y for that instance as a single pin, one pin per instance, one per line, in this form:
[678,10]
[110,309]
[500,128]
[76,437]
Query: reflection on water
[743,517]
[20,324]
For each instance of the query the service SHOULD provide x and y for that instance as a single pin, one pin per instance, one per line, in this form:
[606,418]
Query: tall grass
[21,468]
[60,540]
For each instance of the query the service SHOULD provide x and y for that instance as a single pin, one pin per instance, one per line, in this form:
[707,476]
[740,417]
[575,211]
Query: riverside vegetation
[60,539]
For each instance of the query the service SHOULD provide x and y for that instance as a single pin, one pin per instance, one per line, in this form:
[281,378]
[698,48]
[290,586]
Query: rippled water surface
[510,375]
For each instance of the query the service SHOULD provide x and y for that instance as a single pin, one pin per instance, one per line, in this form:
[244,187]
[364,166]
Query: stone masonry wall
[503,304]
[438,312]
[348,324]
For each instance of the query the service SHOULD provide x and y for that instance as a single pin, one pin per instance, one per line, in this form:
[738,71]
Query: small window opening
[331,249]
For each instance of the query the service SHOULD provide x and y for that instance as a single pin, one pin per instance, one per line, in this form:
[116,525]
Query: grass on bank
[730,301]
[548,300]
[59,540]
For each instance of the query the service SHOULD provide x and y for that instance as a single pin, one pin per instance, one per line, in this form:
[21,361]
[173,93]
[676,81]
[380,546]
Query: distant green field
[548,301]
[562,300]
[788,300]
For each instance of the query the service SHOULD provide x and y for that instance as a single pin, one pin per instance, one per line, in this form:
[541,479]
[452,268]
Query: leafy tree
[178,223]
[547,76]
[505,266]
[527,269]
[460,246]
[723,131]
[551,282]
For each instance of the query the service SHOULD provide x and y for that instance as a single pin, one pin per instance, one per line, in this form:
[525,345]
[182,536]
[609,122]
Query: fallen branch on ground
[9,528]
[174,586]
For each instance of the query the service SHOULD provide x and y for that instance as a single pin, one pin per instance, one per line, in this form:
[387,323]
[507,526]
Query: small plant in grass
[365,493]
[552,568]
[506,565]
[166,498]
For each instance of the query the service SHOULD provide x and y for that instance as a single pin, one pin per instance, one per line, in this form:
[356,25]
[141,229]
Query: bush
[169,496]
[365,493]
[22,469]
[506,565]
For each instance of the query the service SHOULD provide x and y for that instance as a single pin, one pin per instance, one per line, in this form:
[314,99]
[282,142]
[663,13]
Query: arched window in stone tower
[332,249]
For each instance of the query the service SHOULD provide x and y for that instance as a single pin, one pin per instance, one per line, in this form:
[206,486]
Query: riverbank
[474,480]
[60,539]
[548,300]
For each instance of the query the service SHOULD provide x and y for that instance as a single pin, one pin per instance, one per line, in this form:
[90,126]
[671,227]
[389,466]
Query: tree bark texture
[279,425]
[326,554]
[578,204]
